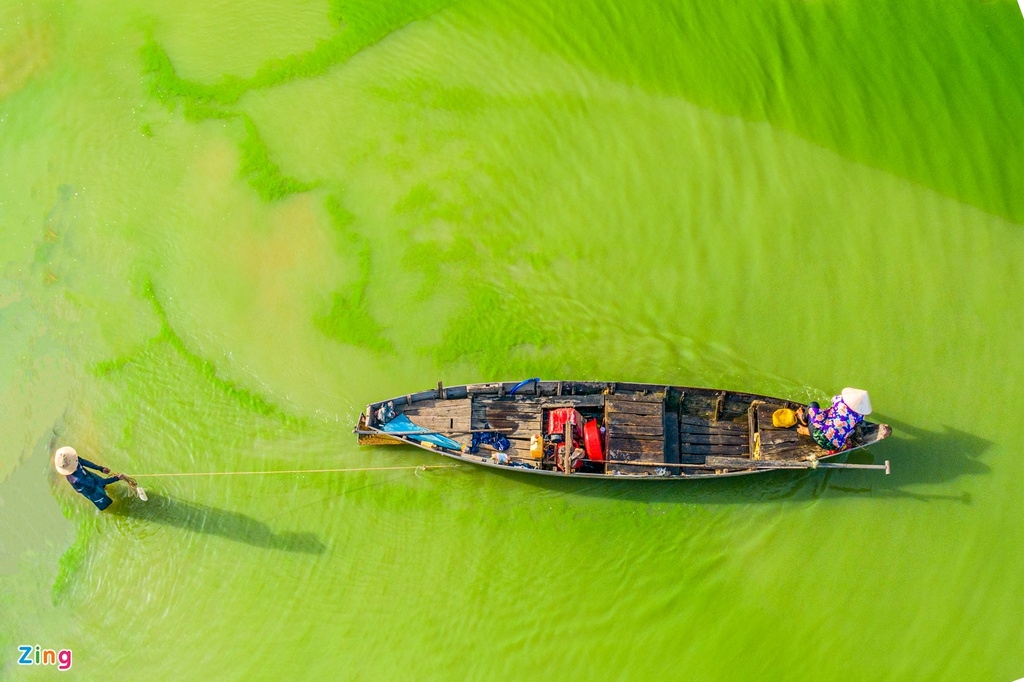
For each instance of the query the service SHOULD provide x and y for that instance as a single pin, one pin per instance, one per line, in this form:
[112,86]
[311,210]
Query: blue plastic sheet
[403,423]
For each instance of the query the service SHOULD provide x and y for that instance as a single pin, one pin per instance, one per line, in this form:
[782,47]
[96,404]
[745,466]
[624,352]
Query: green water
[226,227]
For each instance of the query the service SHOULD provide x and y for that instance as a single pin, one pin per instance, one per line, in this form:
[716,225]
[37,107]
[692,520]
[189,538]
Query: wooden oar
[736,463]
[739,463]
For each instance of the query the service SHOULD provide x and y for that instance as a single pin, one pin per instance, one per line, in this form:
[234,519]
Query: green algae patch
[500,337]
[348,319]
[360,25]
[203,102]
[170,89]
[73,561]
[204,368]
[262,174]
[249,400]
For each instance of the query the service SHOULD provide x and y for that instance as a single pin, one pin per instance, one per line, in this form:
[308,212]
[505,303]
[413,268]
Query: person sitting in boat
[67,463]
[832,427]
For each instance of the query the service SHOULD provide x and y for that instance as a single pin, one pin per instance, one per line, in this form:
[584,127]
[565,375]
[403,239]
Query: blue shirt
[89,484]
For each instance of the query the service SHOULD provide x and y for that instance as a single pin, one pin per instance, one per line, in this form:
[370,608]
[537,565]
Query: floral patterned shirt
[836,423]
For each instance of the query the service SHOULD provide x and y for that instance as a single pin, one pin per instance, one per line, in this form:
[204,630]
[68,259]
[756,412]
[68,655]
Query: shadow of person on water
[201,518]
[918,457]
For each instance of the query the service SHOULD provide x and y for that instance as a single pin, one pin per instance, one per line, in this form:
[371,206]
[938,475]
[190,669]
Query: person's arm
[86,463]
[813,415]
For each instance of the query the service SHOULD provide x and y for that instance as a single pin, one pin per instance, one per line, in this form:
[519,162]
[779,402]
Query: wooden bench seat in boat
[780,443]
[445,416]
[699,437]
[635,427]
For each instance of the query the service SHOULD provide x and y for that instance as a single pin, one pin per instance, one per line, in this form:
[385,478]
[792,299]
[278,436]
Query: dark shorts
[101,502]
[819,438]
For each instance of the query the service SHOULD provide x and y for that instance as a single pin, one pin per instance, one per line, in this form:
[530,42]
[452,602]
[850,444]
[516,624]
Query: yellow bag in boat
[784,418]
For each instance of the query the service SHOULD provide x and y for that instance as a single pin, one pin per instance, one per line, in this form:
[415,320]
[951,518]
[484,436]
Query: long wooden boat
[618,430]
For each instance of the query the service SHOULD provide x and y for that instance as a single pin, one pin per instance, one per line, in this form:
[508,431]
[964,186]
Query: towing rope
[423,467]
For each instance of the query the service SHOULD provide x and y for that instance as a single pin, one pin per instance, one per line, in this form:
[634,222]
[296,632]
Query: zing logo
[32,655]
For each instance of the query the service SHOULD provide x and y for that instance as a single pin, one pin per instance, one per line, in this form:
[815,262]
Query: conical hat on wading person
[65,460]
[857,400]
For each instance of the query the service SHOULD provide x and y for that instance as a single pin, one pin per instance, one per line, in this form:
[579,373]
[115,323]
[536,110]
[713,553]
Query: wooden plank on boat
[434,405]
[633,444]
[416,412]
[442,424]
[712,449]
[764,415]
[544,402]
[511,411]
[620,419]
[721,427]
[641,392]
[754,443]
[693,420]
[439,415]
[736,406]
[714,438]
[620,448]
[616,404]
[774,436]
[716,411]
[655,397]
[638,432]
[518,430]
[670,425]
[699,404]
[644,431]
[791,451]
[729,463]
[633,471]
[484,389]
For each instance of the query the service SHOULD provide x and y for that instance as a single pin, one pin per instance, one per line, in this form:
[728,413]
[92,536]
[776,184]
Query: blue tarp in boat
[403,423]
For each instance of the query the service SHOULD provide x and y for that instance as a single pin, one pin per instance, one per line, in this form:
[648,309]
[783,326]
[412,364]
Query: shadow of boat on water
[201,518]
[917,456]
[920,457]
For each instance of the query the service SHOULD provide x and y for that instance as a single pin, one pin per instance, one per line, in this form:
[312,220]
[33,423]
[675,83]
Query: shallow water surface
[224,229]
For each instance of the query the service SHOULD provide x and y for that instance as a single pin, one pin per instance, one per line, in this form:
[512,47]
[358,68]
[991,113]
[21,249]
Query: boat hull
[649,432]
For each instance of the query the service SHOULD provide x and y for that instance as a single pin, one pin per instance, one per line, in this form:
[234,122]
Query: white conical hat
[857,400]
[65,460]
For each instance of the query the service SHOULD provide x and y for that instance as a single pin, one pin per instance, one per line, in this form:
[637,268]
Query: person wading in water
[74,468]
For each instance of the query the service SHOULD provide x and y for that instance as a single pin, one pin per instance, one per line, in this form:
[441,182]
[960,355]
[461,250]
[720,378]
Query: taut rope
[423,467]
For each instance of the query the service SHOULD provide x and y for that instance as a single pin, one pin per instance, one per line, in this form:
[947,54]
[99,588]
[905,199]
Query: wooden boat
[619,430]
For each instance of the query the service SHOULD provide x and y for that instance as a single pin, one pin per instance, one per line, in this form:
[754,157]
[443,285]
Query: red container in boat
[558,418]
[592,440]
